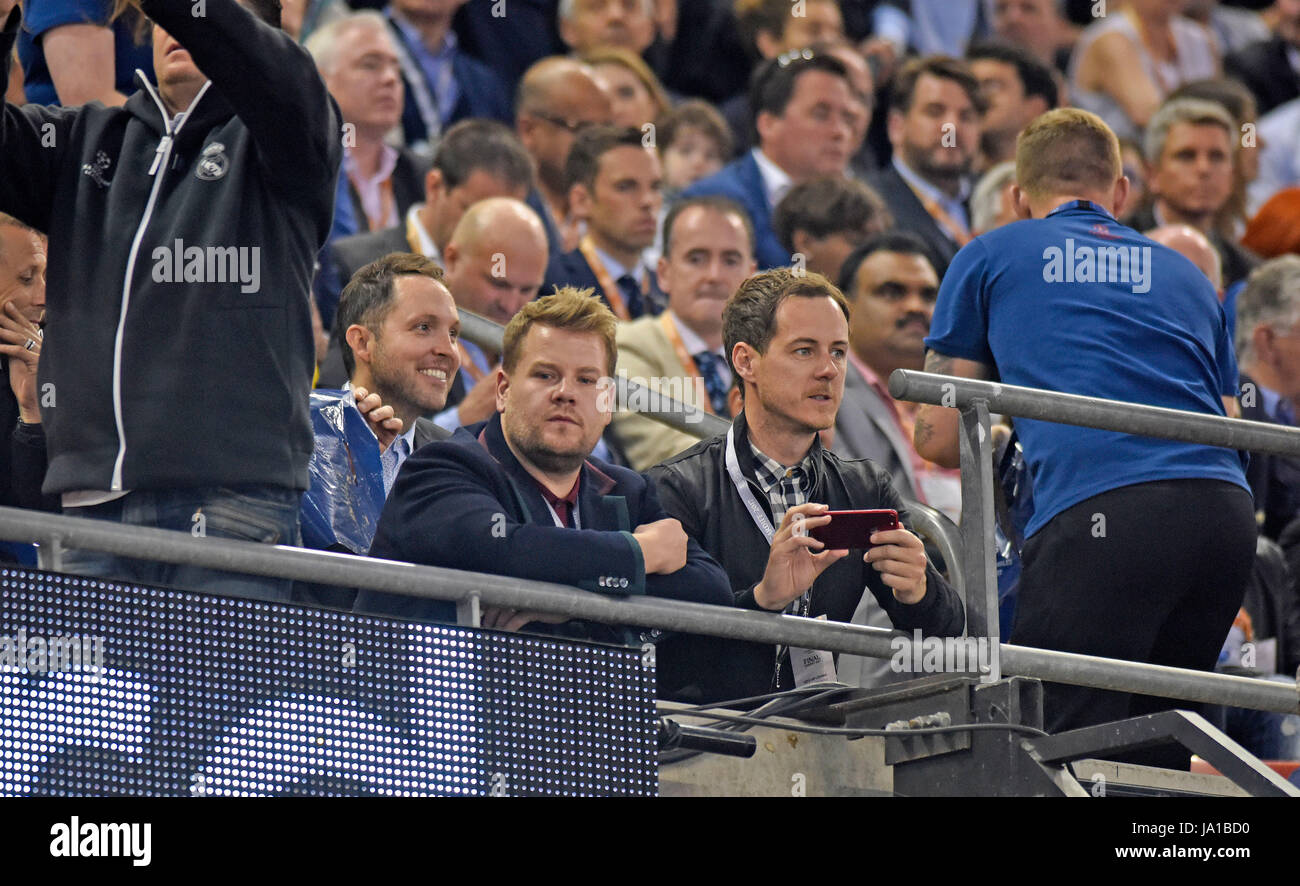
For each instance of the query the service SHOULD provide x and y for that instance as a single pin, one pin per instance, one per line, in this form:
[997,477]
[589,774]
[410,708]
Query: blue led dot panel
[110,689]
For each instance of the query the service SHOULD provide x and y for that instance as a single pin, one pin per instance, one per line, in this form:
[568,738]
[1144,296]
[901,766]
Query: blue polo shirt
[40,16]
[1080,304]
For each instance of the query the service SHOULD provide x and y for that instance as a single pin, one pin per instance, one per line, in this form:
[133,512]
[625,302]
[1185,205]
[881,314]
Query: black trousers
[1153,572]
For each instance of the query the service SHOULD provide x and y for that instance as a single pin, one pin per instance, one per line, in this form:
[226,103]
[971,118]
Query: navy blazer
[572,269]
[910,215]
[446,506]
[482,94]
[741,181]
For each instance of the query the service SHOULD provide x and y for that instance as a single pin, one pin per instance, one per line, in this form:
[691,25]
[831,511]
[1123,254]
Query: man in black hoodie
[183,228]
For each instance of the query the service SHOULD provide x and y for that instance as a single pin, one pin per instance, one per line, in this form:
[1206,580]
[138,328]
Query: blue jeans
[266,514]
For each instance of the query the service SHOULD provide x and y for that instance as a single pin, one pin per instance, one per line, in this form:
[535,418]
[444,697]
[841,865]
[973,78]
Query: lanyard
[577,522]
[613,294]
[687,361]
[953,228]
[756,511]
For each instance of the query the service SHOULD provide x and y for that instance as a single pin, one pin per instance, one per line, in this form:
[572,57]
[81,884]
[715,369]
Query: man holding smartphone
[751,496]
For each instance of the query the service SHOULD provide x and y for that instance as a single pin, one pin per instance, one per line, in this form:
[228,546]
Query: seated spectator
[709,251]
[805,119]
[1037,26]
[358,60]
[476,159]
[615,184]
[1268,67]
[302,18]
[636,94]
[750,495]
[1125,65]
[1189,148]
[557,97]
[78,51]
[934,128]
[1267,327]
[1016,88]
[991,202]
[862,83]
[891,286]
[1134,166]
[825,219]
[519,496]
[1196,247]
[771,28]
[442,84]
[1232,27]
[1279,154]
[22,295]
[947,27]
[1275,229]
[593,24]
[693,143]
[398,327]
[1236,99]
[496,260]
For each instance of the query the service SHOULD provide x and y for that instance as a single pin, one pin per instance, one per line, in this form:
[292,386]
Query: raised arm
[32,140]
[270,81]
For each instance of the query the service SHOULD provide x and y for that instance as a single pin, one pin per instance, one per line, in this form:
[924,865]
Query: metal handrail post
[975,444]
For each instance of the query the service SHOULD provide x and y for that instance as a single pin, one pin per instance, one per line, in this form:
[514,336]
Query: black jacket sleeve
[28,472]
[33,139]
[274,87]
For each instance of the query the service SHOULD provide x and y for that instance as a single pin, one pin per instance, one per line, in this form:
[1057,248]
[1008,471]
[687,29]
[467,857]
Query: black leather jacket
[695,488]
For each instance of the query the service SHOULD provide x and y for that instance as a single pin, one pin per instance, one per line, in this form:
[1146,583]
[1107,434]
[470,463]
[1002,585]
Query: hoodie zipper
[160,159]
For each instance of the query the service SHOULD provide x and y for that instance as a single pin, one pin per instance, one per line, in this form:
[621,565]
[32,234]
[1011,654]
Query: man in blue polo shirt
[1138,548]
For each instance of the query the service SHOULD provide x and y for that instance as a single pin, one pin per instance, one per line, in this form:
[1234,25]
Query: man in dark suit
[805,115]
[442,83]
[934,128]
[614,183]
[1271,68]
[1270,383]
[506,496]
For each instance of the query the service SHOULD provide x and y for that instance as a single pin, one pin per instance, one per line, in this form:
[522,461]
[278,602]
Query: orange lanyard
[954,229]
[412,235]
[687,361]
[385,204]
[467,364]
[613,294]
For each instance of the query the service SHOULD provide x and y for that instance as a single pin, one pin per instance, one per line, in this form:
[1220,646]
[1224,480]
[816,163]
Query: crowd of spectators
[753,206]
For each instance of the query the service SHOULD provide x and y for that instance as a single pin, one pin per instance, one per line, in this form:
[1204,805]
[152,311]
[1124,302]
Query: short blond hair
[569,308]
[1067,151]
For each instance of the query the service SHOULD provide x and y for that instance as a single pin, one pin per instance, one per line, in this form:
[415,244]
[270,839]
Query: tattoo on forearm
[940,364]
[922,431]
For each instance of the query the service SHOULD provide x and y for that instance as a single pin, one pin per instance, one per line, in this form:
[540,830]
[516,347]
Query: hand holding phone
[853,529]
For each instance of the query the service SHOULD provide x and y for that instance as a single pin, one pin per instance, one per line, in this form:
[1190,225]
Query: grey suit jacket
[351,254]
[864,428]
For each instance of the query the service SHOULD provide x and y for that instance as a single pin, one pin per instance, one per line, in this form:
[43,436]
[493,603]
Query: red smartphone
[852,529]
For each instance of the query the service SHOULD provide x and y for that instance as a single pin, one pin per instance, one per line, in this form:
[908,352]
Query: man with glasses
[805,116]
[557,97]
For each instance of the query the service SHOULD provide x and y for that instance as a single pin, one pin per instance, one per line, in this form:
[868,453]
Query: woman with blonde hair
[637,95]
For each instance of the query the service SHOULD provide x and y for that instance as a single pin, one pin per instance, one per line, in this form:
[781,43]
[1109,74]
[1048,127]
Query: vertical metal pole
[468,611]
[978,566]
[49,555]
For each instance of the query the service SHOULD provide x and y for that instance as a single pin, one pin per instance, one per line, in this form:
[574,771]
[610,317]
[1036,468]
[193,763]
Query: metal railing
[471,591]
[977,399]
